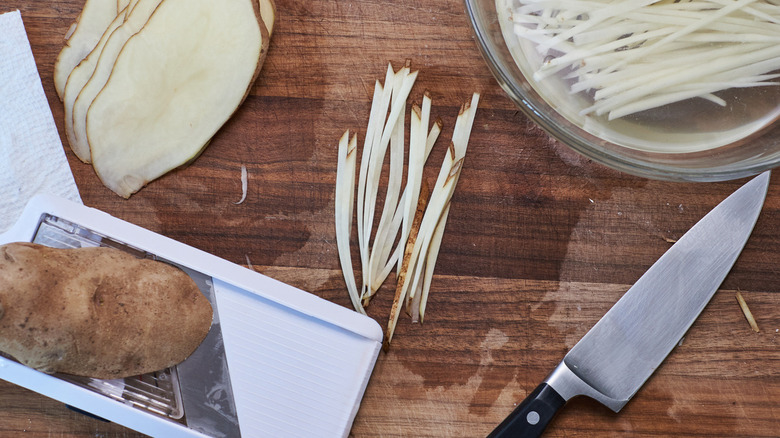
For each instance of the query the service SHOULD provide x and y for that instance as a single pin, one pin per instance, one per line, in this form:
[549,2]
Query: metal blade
[624,348]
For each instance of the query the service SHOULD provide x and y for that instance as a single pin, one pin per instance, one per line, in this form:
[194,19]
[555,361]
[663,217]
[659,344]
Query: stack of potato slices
[147,83]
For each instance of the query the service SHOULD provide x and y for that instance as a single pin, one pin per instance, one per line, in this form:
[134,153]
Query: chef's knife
[614,359]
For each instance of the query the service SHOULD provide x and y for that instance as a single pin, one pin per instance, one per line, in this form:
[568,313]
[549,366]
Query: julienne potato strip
[397,212]
[421,252]
[461,139]
[408,248]
[409,232]
[437,206]
[373,119]
[637,55]
[374,151]
[393,187]
[395,258]
[425,238]
[345,194]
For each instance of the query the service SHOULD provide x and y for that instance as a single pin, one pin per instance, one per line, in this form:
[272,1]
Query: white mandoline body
[298,364]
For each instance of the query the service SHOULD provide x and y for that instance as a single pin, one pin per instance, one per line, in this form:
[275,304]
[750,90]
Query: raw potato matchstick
[411,225]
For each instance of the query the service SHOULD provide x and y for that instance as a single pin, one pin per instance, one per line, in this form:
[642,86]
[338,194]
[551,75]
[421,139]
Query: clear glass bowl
[690,141]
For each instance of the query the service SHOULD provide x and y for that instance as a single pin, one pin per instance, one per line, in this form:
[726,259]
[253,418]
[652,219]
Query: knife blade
[620,352]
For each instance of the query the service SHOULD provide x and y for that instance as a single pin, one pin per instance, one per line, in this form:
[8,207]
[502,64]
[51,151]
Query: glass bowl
[693,140]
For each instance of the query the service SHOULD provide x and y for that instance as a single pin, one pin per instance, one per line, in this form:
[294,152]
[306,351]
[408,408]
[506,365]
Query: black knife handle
[531,417]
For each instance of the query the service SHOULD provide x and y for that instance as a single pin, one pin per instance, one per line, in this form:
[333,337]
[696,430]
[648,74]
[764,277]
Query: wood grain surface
[540,241]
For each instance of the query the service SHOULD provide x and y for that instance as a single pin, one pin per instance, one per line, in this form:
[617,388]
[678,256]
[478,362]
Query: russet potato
[97,312]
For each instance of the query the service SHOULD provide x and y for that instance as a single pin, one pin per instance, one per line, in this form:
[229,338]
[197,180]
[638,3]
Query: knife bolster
[569,385]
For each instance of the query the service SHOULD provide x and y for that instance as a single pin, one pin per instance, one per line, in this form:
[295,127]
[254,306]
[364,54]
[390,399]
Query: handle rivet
[532,418]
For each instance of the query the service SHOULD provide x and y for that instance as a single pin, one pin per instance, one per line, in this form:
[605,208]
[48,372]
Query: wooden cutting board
[540,241]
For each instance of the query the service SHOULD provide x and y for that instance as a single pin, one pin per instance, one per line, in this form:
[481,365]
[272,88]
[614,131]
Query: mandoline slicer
[278,362]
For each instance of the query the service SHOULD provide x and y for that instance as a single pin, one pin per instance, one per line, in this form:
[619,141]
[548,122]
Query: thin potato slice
[134,21]
[131,5]
[345,201]
[76,81]
[268,14]
[92,22]
[174,84]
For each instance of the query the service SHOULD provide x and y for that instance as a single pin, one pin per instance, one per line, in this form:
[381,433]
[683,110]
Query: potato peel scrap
[412,221]
[244,184]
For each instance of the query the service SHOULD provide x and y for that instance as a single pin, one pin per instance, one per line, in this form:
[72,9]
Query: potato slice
[76,81]
[97,312]
[174,84]
[133,23]
[268,14]
[92,22]
[130,5]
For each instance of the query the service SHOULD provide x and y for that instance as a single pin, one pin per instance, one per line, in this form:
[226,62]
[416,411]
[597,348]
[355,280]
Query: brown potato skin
[97,312]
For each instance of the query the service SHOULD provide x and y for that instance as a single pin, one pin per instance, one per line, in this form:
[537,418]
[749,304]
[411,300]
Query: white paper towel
[32,159]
